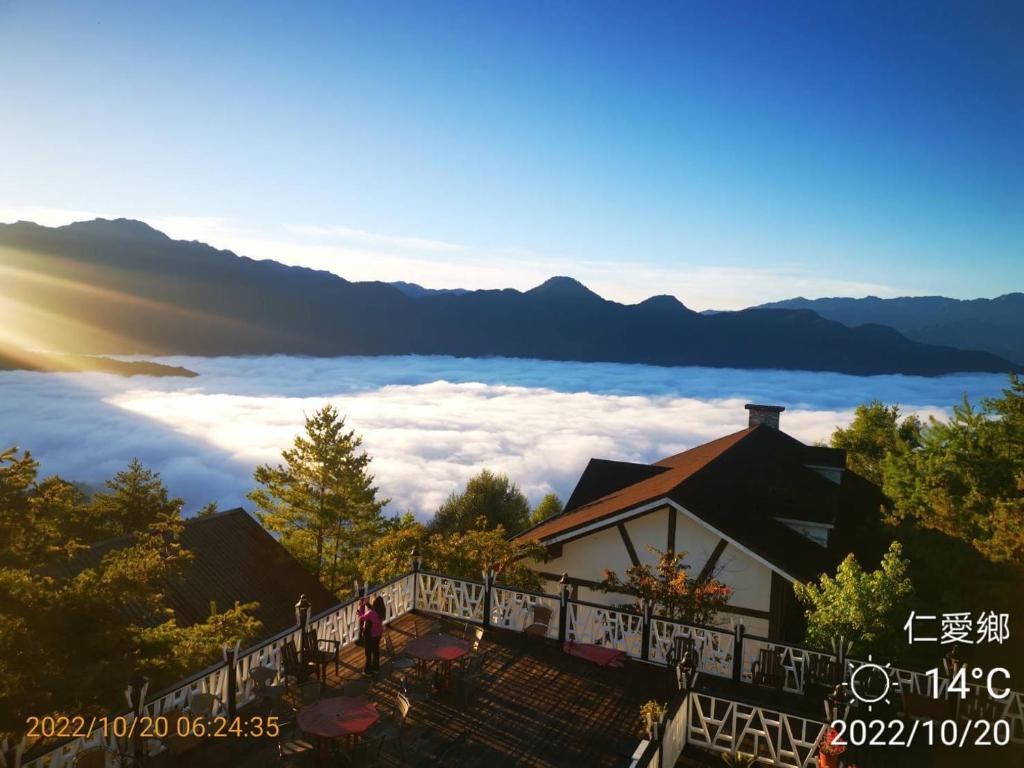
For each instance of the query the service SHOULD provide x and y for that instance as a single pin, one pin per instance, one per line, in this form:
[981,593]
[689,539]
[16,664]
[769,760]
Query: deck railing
[642,636]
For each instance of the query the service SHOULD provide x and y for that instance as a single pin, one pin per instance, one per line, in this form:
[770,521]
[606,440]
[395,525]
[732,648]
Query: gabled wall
[586,559]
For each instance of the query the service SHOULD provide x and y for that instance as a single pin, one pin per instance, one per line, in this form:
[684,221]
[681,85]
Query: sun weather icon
[870,683]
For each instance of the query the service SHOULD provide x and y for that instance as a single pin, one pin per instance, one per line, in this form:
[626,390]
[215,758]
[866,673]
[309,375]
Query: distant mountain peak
[563,287]
[664,301]
[124,228]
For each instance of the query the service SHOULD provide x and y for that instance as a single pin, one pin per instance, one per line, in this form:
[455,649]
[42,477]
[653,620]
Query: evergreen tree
[67,643]
[549,506]
[967,477]
[321,501]
[875,432]
[490,496]
[135,498]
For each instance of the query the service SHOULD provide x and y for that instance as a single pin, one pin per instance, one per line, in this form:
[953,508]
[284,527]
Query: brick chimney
[764,414]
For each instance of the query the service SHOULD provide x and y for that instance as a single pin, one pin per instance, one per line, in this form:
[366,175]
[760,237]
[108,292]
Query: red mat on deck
[603,657]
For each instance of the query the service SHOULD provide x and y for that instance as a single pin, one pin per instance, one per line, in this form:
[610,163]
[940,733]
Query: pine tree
[321,501]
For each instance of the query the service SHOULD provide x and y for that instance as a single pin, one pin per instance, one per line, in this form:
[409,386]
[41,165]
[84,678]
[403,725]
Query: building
[234,559]
[757,509]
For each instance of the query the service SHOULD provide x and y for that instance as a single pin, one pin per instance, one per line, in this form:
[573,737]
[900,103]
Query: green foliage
[322,502]
[209,510]
[670,589]
[134,499]
[967,477]
[177,652]
[465,554]
[549,506]
[875,432]
[488,495]
[67,644]
[867,608]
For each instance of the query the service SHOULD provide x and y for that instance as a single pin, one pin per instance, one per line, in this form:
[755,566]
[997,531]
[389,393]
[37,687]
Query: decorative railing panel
[457,598]
[340,622]
[714,647]
[513,609]
[599,625]
[775,738]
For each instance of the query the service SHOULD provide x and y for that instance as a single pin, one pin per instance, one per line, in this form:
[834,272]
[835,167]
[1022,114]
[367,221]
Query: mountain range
[994,325]
[120,286]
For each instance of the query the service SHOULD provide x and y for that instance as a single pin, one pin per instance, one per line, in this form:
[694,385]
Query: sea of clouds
[430,423]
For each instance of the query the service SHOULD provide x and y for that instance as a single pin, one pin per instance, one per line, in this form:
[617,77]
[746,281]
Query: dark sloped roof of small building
[234,559]
[740,485]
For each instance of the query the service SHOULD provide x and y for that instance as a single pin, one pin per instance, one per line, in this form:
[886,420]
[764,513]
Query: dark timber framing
[629,544]
[672,515]
[709,567]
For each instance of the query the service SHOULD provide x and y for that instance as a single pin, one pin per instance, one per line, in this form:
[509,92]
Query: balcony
[536,705]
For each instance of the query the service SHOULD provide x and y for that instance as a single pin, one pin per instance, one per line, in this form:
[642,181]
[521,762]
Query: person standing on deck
[370,630]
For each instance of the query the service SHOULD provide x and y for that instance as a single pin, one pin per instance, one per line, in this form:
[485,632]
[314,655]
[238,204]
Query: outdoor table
[341,716]
[439,649]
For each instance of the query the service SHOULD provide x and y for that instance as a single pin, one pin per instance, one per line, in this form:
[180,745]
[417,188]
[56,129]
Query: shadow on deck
[536,707]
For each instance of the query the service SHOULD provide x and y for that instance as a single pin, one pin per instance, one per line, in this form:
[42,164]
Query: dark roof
[602,477]
[740,485]
[234,559]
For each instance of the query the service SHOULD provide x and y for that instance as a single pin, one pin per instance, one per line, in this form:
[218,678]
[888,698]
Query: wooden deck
[537,707]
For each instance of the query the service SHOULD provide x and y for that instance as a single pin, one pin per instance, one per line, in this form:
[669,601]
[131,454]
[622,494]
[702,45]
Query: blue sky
[728,153]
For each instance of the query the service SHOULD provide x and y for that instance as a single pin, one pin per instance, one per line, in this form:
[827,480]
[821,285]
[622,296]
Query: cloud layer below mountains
[429,423]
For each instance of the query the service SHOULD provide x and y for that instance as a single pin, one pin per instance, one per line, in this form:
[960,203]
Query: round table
[443,649]
[333,718]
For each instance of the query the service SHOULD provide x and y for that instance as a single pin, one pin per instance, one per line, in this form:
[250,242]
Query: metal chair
[477,640]
[394,727]
[263,685]
[399,663]
[203,705]
[294,747]
[467,678]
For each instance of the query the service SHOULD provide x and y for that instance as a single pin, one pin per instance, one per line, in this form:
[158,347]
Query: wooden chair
[263,685]
[292,666]
[321,651]
[540,621]
[821,675]
[768,669]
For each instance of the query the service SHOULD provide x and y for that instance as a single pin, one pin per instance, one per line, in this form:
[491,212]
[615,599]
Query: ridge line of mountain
[120,286]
